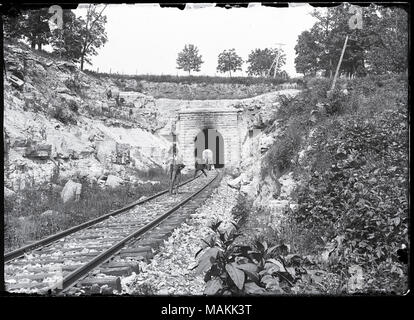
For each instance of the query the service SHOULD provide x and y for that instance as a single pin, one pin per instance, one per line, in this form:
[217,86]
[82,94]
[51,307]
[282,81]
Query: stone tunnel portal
[210,139]
[217,130]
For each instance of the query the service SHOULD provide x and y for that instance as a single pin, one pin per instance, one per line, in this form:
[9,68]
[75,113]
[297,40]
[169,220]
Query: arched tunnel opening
[210,139]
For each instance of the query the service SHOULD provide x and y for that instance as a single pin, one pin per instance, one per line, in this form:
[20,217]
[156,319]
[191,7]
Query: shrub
[353,176]
[279,157]
[73,106]
[362,191]
[256,268]
[62,114]
[73,85]
[242,209]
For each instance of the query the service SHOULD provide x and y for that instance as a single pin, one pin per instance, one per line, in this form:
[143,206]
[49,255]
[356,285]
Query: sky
[146,39]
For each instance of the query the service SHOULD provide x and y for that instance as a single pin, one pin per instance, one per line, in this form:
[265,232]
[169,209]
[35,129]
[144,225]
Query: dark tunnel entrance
[212,140]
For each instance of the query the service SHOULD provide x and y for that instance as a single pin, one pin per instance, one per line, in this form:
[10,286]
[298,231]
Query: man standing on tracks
[175,170]
[199,166]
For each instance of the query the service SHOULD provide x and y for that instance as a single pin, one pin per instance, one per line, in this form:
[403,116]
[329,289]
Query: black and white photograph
[206,149]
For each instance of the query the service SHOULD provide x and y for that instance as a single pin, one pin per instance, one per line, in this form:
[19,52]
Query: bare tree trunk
[82,61]
[330,68]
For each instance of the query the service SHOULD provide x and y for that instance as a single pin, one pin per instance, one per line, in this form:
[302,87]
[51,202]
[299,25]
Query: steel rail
[72,278]
[41,243]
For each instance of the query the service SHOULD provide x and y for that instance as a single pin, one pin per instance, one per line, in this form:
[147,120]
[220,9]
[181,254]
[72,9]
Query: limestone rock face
[49,213]
[265,142]
[276,211]
[287,185]
[269,190]
[8,192]
[110,151]
[70,190]
[36,126]
[105,150]
[113,181]
[235,183]
[39,151]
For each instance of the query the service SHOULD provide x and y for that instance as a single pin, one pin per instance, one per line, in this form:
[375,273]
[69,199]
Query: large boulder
[39,151]
[235,183]
[269,190]
[71,191]
[288,184]
[106,150]
[50,213]
[8,192]
[113,181]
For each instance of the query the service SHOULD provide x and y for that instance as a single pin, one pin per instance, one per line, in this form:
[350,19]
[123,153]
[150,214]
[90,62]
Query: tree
[67,40]
[13,24]
[189,59]
[35,27]
[387,41]
[261,61]
[229,61]
[92,33]
[307,59]
[380,46]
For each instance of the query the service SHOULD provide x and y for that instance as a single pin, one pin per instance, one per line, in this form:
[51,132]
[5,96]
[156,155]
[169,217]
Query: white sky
[146,39]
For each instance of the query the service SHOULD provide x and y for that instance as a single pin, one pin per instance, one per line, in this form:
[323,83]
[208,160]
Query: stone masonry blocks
[225,122]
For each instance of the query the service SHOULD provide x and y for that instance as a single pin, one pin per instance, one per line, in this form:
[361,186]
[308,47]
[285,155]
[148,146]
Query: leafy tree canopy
[77,40]
[381,45]
[189,59]
[229,61]
[262,62]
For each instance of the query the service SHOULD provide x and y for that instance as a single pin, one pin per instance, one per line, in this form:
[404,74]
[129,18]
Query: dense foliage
[254,267]
[66,42]
[379,46]
[352,173]
[362,192]
[229,61]
[77,40]
[266,62]
[189,59]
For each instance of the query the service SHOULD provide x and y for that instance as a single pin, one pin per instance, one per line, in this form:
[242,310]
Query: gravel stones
[170,271]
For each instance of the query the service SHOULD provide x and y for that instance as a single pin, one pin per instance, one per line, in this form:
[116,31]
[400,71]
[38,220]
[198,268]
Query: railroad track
[91,257]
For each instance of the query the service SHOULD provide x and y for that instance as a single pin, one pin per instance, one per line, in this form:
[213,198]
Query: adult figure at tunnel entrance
[207,155]
[209,144]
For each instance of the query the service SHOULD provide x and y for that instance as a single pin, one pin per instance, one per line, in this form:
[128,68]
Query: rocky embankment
[268,193]
[196,90]
[208,91]
[60,123]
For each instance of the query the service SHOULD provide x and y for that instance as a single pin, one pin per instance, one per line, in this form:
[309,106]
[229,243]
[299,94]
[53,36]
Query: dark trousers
[175,176]
[199,167]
